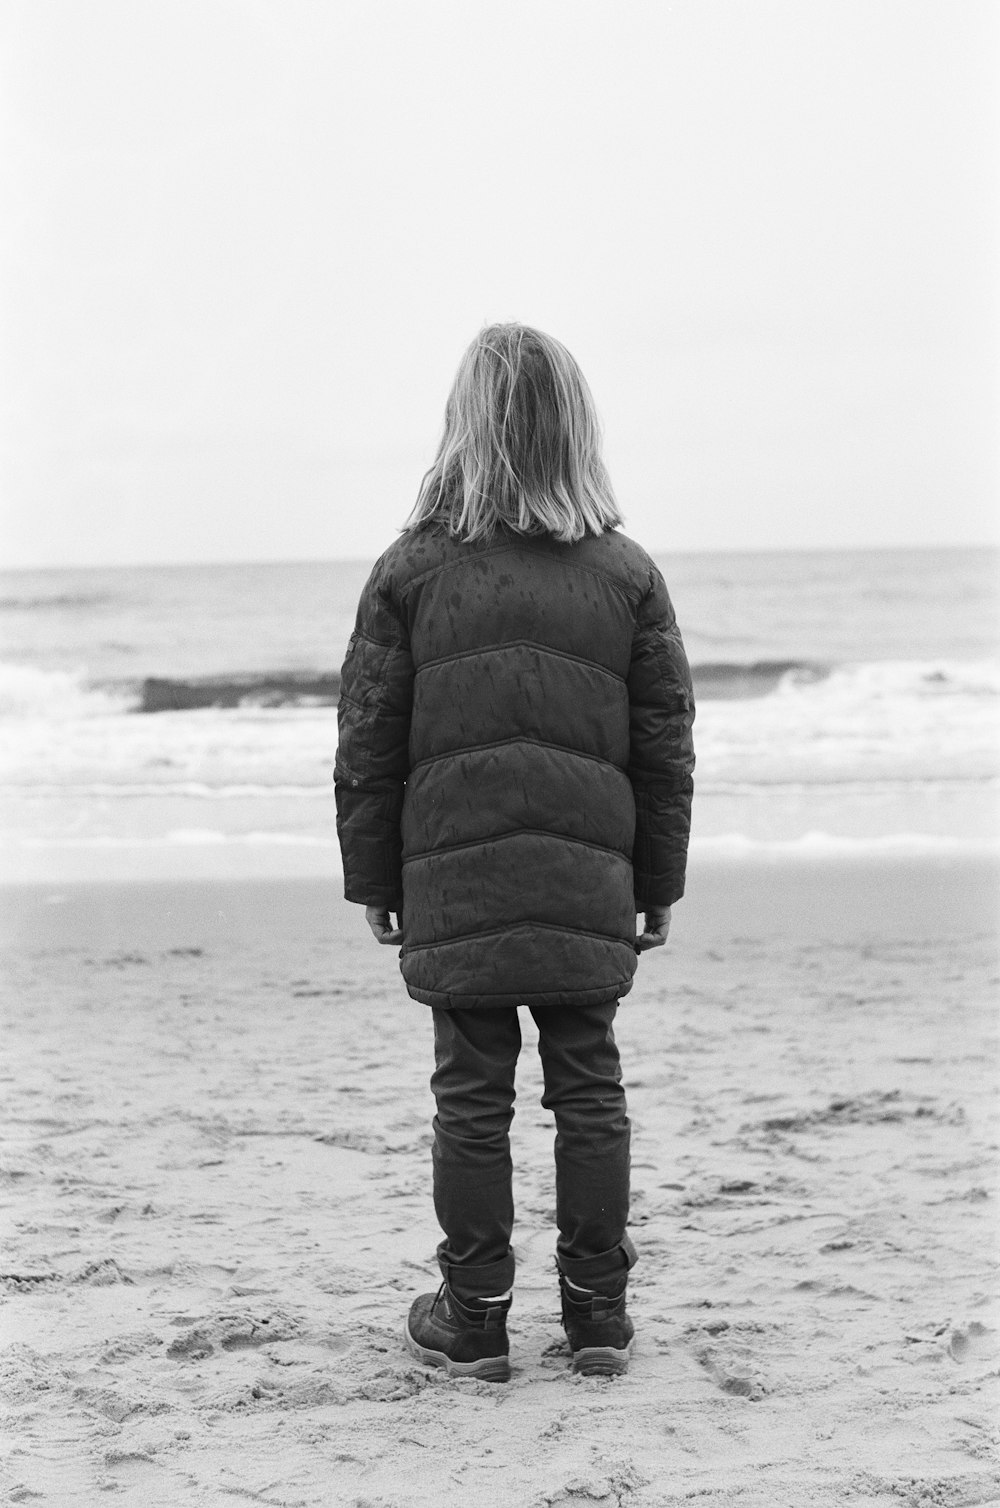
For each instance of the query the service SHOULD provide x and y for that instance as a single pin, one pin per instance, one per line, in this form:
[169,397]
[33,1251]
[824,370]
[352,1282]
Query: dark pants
[476,1053]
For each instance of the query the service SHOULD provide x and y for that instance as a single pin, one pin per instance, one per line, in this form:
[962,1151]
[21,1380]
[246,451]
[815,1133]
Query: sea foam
[27,692]
[882,721]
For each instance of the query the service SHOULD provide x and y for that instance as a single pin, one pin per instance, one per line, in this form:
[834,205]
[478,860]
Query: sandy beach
[216,1207]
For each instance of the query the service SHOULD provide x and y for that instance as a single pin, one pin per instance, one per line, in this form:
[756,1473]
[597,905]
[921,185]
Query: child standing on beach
[514,785]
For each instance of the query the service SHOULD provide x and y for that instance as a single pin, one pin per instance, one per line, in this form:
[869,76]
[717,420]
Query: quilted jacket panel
[515,762]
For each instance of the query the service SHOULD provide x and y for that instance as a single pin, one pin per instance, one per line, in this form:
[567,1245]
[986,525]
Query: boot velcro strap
[491,1317]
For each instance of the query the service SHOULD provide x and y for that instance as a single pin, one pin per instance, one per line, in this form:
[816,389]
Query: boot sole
[486,1369]
[602,1361]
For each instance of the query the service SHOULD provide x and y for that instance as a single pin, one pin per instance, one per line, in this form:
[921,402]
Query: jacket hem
[445,1001]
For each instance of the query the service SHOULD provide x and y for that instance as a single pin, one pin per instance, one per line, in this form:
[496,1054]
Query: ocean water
[847,702]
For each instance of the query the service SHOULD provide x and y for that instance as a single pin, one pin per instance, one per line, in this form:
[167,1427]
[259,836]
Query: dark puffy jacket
[514,768]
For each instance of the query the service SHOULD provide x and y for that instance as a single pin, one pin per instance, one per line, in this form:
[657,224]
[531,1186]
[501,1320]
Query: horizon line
[987,545]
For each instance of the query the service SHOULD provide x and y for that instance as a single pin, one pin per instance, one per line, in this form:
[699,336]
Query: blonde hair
[521,444]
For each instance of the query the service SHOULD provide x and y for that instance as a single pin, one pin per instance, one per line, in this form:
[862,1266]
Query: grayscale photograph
[499,612]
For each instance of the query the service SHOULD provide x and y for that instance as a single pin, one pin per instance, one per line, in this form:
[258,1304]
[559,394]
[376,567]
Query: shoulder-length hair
[521,445]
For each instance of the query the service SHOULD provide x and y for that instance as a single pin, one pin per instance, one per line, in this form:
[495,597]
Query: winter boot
[599,1331]
[467,1338]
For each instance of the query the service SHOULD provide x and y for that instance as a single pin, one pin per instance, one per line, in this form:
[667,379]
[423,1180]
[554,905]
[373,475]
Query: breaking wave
[58,695]
[903,720]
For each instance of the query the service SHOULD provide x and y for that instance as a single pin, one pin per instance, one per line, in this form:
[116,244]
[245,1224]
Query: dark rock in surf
[278,689]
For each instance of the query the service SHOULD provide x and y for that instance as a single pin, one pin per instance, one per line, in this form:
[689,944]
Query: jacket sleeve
[373,716]
[661,761]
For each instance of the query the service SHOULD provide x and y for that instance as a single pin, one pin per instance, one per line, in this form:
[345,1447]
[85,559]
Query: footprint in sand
[735,1382]
[281,1334]
[191,1347]
[971,1342]
[731,1375]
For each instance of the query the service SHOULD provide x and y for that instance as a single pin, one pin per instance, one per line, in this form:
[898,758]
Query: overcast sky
[247,241]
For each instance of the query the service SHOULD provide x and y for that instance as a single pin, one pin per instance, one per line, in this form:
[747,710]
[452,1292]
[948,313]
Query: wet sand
[215,1199]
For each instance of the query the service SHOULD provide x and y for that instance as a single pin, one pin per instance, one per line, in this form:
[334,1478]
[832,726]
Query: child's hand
[654,934]
[378,919]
